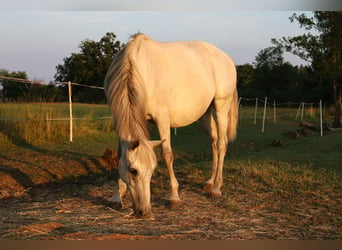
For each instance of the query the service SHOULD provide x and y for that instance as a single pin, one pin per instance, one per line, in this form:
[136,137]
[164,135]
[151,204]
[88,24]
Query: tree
[244,78]
[323,51]
[89,67]
[270,57]
[265,63]
[14,90]
[24,91]
[44,93]
[273,77]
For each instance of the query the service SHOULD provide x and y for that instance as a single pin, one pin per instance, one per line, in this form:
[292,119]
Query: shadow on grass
[49,166]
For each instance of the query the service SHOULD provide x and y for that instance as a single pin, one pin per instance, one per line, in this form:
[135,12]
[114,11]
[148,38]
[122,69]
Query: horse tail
[233,117]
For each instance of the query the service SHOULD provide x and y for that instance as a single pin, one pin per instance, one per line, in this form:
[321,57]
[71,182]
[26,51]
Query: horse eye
[133,171]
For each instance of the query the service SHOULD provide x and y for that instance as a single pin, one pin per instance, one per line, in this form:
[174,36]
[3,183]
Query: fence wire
[270,109]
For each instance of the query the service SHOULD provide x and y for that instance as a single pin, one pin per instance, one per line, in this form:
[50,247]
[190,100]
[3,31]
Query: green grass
[291,191]
[306,163]
[309,159]
[40,123]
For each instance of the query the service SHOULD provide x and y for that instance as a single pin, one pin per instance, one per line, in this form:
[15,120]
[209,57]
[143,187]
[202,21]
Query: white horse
[173,84]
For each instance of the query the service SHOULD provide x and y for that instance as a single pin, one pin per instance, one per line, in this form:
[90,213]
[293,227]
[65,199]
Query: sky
[36,34]
[37,41]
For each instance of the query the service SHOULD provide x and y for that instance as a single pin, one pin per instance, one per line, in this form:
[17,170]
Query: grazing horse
[173,84]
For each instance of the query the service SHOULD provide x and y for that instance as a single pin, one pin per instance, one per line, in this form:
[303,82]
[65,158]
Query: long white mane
[126,96]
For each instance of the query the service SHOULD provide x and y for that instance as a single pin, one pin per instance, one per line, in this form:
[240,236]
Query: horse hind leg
[222,108]
[209,124]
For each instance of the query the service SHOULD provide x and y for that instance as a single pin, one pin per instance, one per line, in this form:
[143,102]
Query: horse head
[137,162]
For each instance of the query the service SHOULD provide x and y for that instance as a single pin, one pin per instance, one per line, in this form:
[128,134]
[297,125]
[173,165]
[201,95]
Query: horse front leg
[174,199]
[119,191]
[164,132]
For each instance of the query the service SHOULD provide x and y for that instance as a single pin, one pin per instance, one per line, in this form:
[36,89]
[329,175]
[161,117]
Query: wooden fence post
[298,110]
[70,109]
[263,120]
[255,110]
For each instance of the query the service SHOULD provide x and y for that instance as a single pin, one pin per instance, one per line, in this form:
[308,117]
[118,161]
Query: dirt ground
[77,208]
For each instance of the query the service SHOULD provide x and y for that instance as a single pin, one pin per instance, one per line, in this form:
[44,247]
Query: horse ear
[155,144]
[133,145]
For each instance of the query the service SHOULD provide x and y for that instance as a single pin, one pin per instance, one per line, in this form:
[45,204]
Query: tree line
[269,75]
[280,81]
[87,67]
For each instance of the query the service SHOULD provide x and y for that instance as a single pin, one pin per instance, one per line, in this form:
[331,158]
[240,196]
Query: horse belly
[185,111]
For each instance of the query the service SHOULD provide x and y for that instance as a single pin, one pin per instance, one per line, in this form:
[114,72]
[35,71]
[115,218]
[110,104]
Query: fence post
[298,110]
[321,116]
[302,113]
[70,109]
[263,120]
[256,109]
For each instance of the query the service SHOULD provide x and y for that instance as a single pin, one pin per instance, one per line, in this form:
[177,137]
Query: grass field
[291,190]
[38,123]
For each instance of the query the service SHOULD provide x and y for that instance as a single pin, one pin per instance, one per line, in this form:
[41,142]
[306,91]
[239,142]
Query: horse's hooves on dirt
[115,205]
[215,194]
[173,204]
[207,187]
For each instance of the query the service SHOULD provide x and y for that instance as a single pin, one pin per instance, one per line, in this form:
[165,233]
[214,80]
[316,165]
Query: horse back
[182,78]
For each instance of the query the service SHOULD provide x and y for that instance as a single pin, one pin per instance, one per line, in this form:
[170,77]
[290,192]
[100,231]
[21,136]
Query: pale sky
[37,35]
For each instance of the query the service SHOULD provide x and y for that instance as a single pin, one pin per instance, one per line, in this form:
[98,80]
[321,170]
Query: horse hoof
[215,194]
[173,204]
[207,187]
[115,205]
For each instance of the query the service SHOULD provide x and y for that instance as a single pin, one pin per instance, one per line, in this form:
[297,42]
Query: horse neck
[131,120]
[128,101]
[125,92]
[132,134]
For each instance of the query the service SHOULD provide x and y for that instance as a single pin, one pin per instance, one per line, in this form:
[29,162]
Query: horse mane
[125,94]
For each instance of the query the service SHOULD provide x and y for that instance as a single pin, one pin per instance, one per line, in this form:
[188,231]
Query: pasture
[51,188]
